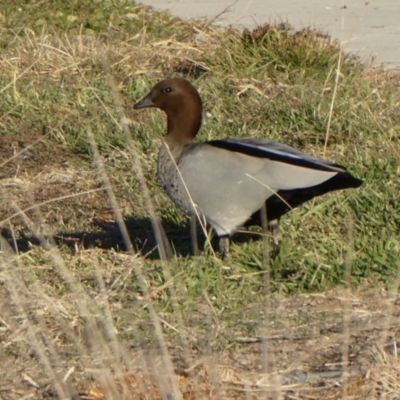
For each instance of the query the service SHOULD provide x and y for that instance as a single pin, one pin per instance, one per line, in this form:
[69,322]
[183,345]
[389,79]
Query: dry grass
[89,309]
[295,352]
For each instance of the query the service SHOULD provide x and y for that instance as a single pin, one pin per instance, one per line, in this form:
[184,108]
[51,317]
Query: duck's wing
[284,200]
[275,151]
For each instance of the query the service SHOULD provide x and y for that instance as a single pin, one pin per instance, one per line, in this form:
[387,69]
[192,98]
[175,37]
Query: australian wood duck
[226,181]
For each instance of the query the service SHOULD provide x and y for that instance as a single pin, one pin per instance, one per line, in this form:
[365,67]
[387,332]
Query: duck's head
[179,99]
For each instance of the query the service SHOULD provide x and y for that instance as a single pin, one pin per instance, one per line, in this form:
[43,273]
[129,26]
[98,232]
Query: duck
[226,182]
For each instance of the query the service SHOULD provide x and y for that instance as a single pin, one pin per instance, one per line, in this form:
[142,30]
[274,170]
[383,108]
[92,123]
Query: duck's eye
[167,90]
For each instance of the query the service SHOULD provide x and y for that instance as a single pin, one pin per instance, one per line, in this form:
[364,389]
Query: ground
[89,309]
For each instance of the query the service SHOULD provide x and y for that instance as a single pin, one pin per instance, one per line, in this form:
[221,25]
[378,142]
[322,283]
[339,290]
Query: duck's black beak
[144,102]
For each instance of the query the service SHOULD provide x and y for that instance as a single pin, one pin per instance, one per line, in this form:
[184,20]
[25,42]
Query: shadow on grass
[107,235]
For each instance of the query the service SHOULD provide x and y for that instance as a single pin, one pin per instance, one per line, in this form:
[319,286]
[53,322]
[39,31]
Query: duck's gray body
[227,186]
[226,181]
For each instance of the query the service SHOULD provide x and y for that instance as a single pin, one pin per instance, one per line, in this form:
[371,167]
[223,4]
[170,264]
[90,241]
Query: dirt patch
[331,345]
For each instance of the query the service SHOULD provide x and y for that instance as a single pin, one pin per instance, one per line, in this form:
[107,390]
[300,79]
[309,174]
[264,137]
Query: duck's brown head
[179,99]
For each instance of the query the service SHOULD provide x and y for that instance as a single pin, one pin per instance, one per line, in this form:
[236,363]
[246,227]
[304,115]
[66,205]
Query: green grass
[57,68]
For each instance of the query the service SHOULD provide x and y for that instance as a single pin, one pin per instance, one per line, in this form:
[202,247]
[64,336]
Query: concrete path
[369,28]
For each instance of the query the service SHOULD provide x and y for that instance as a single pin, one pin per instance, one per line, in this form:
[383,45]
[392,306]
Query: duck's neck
[183,123]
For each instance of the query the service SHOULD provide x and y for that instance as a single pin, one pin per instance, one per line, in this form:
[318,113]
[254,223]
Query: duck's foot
[273,226]
[224,246]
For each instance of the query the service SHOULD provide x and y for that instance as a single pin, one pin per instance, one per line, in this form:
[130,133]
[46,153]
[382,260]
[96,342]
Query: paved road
[369,28]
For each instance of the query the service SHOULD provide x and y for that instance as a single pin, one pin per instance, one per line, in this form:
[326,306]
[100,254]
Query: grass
[82,310]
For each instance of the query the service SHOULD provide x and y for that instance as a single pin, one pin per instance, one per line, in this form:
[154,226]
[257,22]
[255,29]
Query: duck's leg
[264,218]
[272,226]
[275,230]
[224,245]
[193,235]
